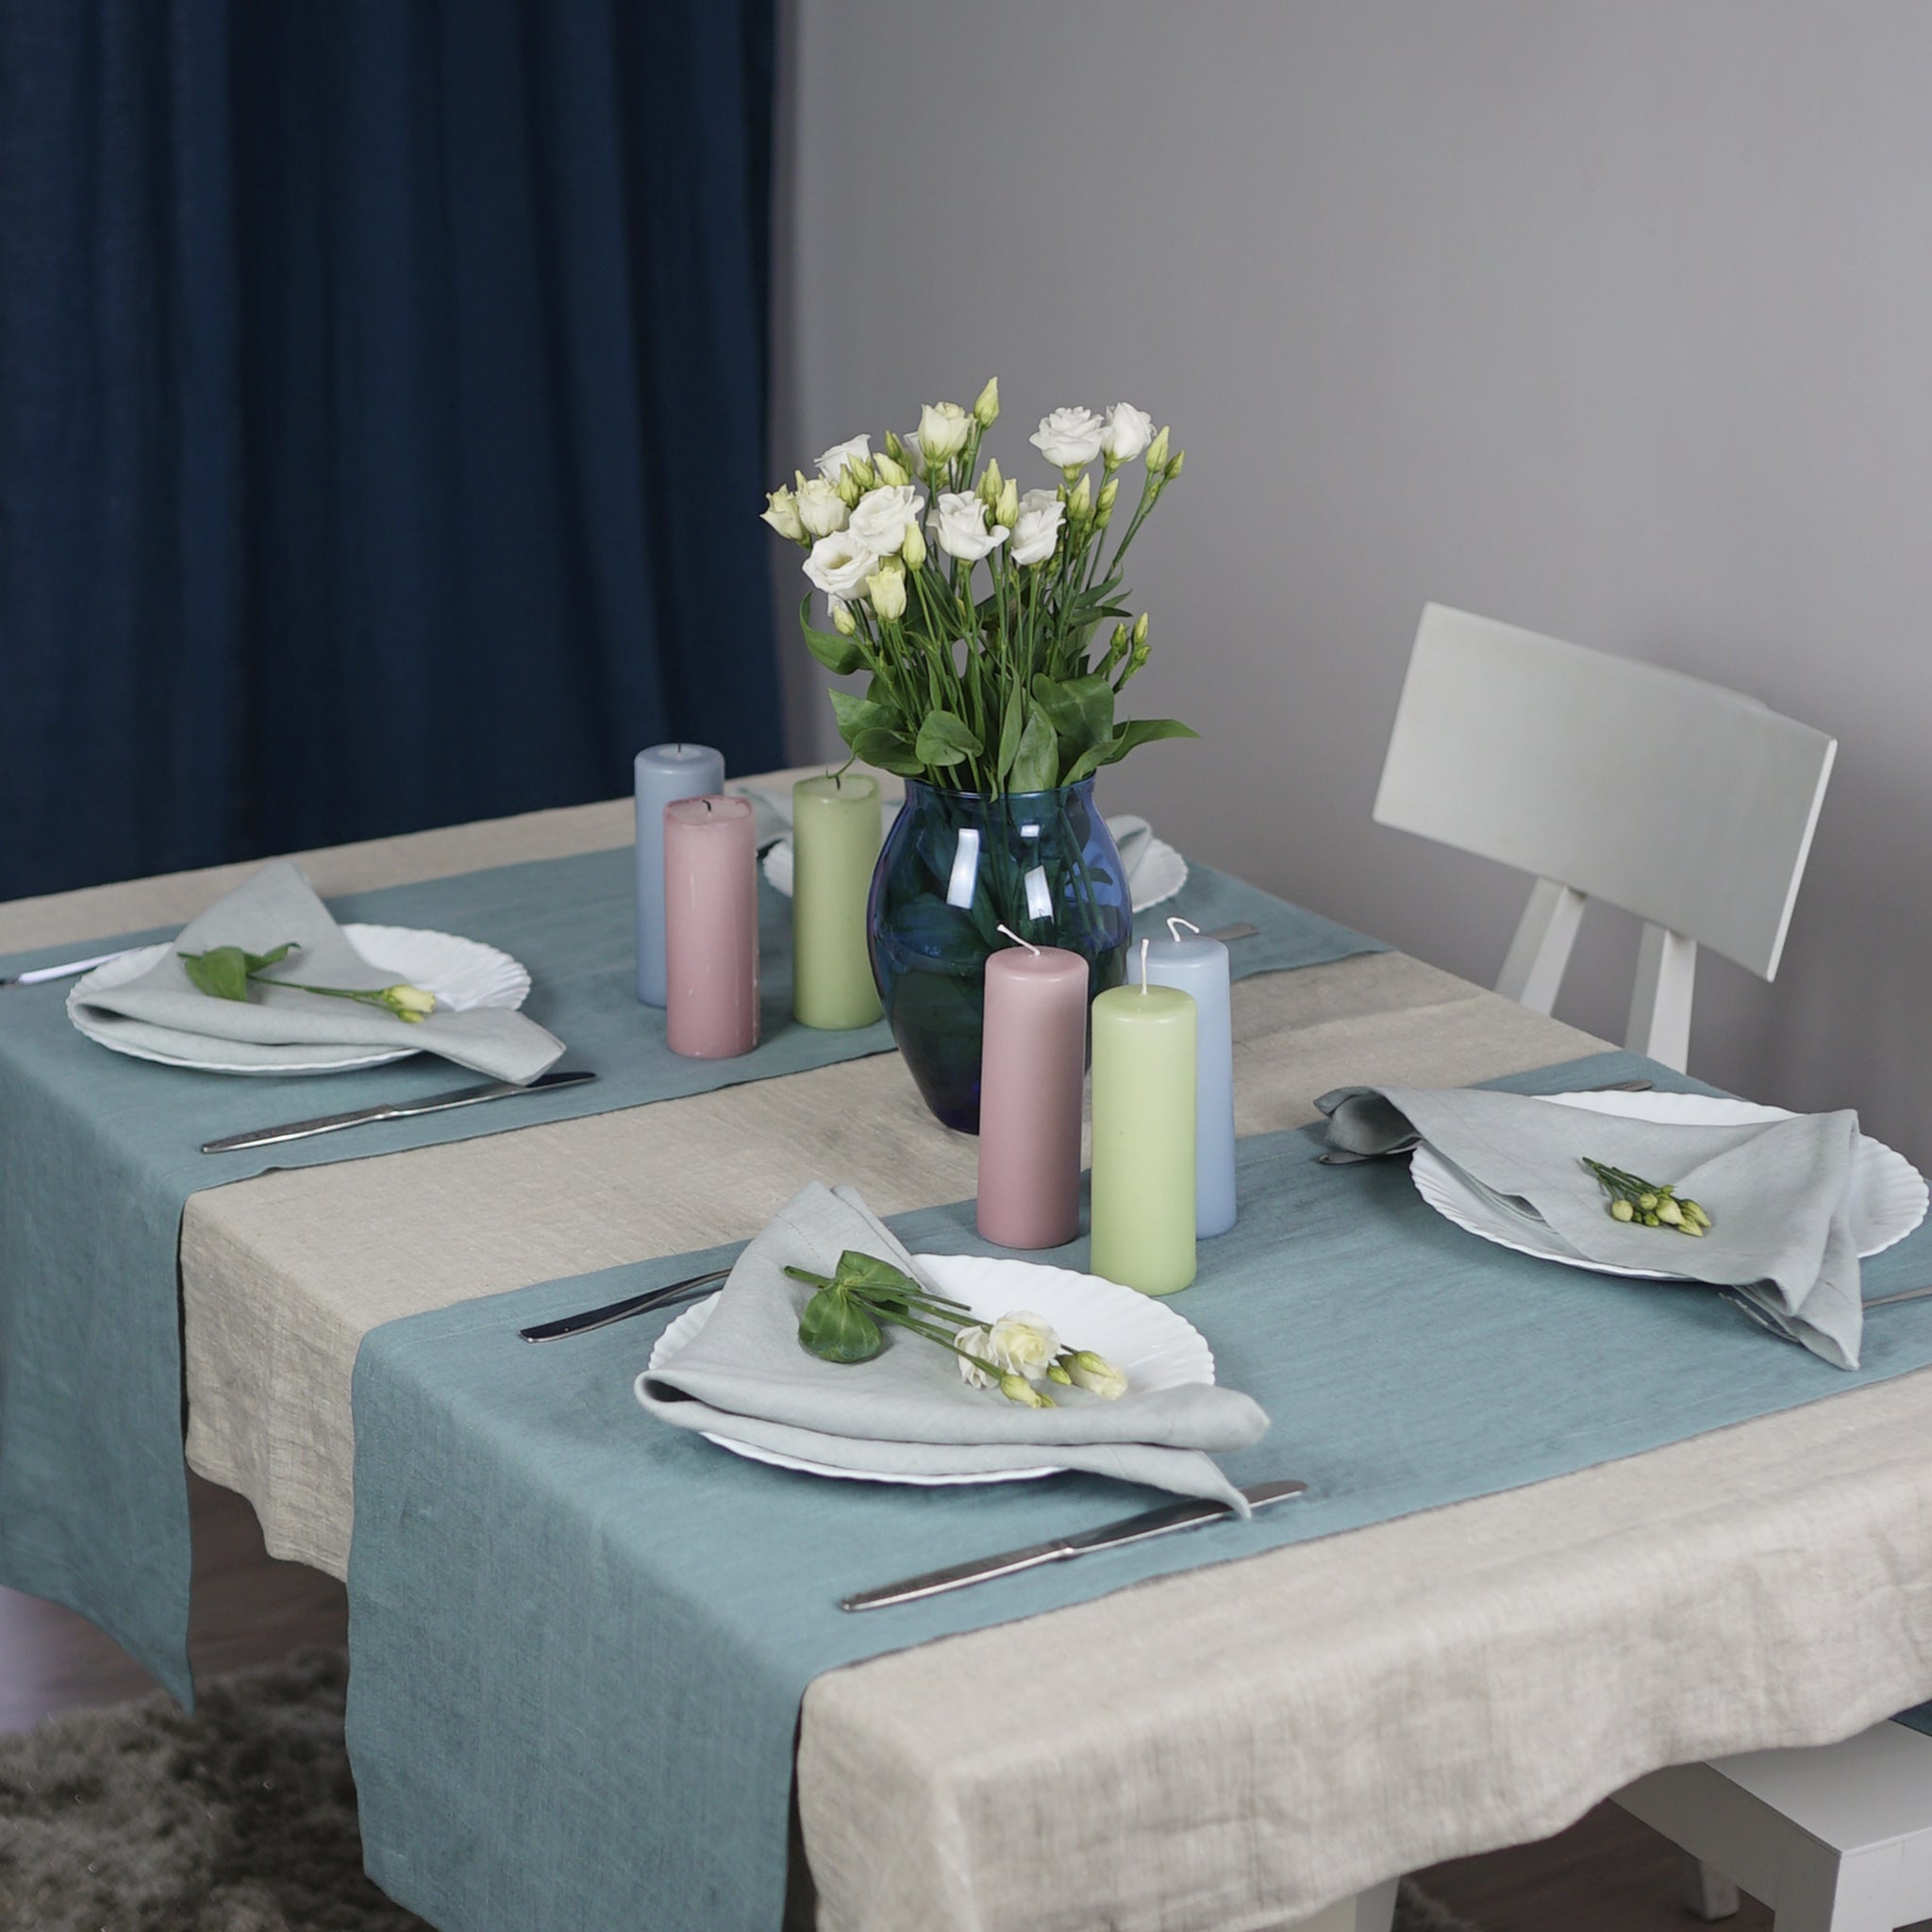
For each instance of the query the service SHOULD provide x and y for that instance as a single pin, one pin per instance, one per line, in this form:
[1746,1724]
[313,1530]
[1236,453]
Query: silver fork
[1337,1157]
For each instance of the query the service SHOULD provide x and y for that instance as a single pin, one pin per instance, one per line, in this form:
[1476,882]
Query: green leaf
[861,714]
[837,655]
[1080,709]
[1136,732]
[223,973]
[1037,764]
[946,740]
[874,1277]
[836,1329]
[890,751]
[1010,737]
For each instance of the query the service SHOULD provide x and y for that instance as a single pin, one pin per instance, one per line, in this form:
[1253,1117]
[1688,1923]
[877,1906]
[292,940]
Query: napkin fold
[165,1012]
[1777,1192]
[907,1411]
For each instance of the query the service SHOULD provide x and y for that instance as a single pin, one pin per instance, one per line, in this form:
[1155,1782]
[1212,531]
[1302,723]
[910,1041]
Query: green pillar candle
[834,844]
[1144,1137]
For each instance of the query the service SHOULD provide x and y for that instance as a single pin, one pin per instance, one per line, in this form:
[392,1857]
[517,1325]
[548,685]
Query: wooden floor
[1606,1874]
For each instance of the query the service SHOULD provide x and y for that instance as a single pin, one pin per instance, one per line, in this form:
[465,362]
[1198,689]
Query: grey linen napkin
[908,1413]
[1777,1194]
[164,1011]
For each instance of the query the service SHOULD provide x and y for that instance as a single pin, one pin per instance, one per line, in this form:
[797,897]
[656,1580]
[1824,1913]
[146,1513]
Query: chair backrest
[1677,800]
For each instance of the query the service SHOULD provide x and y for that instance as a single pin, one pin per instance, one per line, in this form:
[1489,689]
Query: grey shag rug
[242,1818]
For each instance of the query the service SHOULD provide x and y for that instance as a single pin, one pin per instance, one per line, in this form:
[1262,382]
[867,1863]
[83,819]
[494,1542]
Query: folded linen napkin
[165,1012]
[1777,1192]
[907,1411]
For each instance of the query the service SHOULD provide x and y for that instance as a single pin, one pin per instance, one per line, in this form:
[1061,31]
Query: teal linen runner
[99,1153]
[569,1617]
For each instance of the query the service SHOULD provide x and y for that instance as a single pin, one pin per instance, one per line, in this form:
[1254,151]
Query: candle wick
[1174,920]
[1019,942]
[709,807]
[1145,945]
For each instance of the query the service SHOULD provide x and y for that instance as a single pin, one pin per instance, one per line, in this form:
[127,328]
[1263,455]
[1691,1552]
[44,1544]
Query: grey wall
[1611,321]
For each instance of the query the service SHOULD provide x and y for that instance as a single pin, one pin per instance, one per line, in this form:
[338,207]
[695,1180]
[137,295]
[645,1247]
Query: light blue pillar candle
[1199,966]
[664,774]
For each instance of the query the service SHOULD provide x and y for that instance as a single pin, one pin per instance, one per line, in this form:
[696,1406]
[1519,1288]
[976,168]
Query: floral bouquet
[988,683]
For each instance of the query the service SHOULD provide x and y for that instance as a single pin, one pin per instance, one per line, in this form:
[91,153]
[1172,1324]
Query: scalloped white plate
[462,974]
[1888,1193]
[1156,1348]
[1158,874]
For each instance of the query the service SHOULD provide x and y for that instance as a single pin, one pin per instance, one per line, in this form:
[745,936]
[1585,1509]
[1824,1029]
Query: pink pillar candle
[1032,1067]
[710,928]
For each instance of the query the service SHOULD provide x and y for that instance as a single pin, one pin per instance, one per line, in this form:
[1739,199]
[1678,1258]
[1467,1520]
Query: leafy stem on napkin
[1647,1203]
[846,1319]
[224,971]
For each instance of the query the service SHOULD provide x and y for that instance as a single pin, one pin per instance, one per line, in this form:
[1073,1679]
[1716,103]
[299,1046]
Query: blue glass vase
[956,867]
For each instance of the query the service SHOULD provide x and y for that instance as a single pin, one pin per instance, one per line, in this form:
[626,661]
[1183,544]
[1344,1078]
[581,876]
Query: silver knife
[622,1312]
[1129,1529]
[393,1110]
[69,969]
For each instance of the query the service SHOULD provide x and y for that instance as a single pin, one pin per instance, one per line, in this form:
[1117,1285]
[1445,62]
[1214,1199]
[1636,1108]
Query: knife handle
[958,1576]
[299,1130]
[620,1311]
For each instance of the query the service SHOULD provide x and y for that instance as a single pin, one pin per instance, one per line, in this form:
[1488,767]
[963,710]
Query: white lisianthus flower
[1024,1344]
[887,590]
[1036,529]
[1068,438]
[838,565]
[884,516]
[943,428]
[962,531]
[1094,1372]
[1125,433]
[781,512]
[820,508]
[975,1341]
[859,449]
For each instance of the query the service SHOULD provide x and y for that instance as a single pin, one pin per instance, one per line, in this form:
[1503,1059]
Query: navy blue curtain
[381,415]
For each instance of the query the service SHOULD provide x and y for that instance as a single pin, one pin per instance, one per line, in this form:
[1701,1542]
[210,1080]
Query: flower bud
[1173,469]
[1141,628]
[849,488]
[887,590]
[1157,452]
[887,471]
[1095,1373]
[781,512]
[1670,1213]
[409,1003]
[987,408]
[1058,1374]
[1103,504]
[990,482]
[1007,509]
[1622,1210]
[895,448]
[1018,1389]
[842,619]
[1081,503]
[913,549]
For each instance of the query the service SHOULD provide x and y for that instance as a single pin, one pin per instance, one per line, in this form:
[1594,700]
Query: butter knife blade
[393,1110]
[1108,1536]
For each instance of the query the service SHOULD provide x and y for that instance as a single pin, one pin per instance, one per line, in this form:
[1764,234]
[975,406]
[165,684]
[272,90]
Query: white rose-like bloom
[974,1341]
[943,428]
[858,450]
[1024,1344]
[838,565]
[884,515]
[1125,433]
[820,508]
[1068,438]
[962,531]
[1036,529]
[781,512]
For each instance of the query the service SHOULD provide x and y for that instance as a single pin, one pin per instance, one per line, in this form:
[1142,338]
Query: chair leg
[1707,1893]
[1660,1001]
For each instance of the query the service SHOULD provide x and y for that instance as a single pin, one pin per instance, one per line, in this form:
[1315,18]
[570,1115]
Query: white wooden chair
[1677,800]
[1693,808]
[1833,1840]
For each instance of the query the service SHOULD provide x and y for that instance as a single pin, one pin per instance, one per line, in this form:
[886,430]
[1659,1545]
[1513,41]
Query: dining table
[1248,1745]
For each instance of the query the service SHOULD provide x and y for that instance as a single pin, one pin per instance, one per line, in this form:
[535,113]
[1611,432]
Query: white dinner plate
[1160,873]
[1887,1193]
[1153,1345]
[463,975]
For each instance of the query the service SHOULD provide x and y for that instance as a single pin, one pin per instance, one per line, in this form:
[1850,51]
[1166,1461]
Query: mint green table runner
[99,1154]
[568,1617]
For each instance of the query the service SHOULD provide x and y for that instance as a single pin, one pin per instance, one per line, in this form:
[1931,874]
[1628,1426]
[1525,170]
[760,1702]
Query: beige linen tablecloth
[1228,1749]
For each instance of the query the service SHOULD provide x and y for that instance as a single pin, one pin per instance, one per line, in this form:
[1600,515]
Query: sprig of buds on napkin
[224,971]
